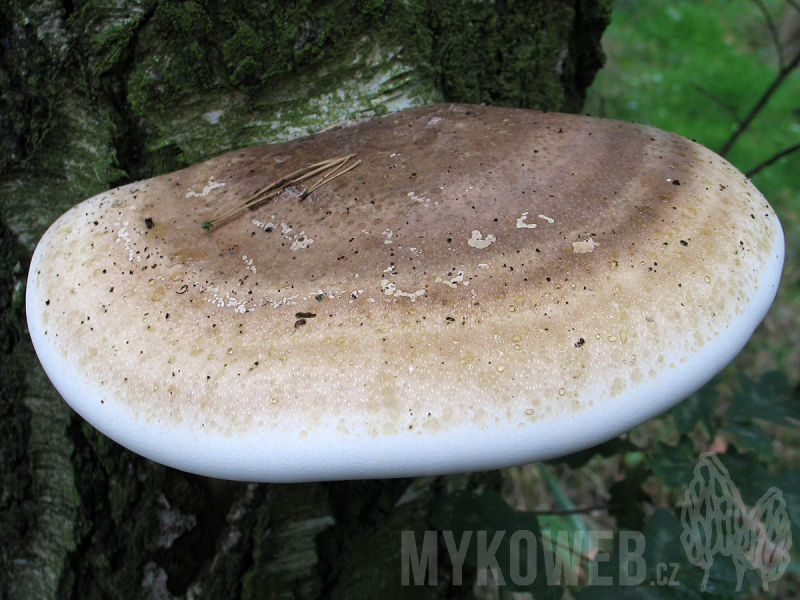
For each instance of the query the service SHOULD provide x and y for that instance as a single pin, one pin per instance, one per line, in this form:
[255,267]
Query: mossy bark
[96,93]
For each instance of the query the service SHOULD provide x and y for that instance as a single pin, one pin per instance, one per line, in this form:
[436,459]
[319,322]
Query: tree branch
[729,108]
[745,123]
[772,159]
[773,31]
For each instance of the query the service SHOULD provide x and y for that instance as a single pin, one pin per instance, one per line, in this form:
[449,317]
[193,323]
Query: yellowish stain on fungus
[618,387]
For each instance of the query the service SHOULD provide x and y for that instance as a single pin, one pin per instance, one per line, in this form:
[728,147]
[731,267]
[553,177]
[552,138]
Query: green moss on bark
[117,520]
[290,68]
[17,508]
[243,54]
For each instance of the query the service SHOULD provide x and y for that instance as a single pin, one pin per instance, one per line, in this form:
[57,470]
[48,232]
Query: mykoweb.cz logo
[714,522]
[419,565]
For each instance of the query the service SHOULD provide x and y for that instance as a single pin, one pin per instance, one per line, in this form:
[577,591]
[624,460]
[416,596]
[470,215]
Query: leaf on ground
[628,498]
[479,519]
[769,399]
[700,406]
[675,464]
[577,459]
[750,435]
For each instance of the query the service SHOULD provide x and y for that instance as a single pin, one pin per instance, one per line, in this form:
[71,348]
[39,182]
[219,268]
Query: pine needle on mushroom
[329,169]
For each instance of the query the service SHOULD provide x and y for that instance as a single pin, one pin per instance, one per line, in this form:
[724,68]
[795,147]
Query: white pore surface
[279,456]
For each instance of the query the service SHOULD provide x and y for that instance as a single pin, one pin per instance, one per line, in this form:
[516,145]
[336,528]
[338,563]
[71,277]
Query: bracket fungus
[487,287]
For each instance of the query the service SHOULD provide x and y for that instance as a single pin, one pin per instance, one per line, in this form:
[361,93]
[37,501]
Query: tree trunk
[96,93]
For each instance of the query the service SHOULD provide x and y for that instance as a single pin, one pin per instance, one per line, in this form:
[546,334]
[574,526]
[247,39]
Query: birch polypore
[486,287]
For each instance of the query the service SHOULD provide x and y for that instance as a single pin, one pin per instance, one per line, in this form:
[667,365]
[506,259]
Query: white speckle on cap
[521,224]
[453,282]
[125,237]
[390,289]
[302,241]
[477,240]
[548,219]
[584,247]
[211,185]
[263,225]
[249,263]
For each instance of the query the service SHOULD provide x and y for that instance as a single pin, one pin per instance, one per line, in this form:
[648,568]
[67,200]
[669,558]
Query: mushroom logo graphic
[716,520]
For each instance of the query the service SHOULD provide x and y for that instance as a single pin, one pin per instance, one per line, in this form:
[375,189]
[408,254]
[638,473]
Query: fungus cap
[488,287]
